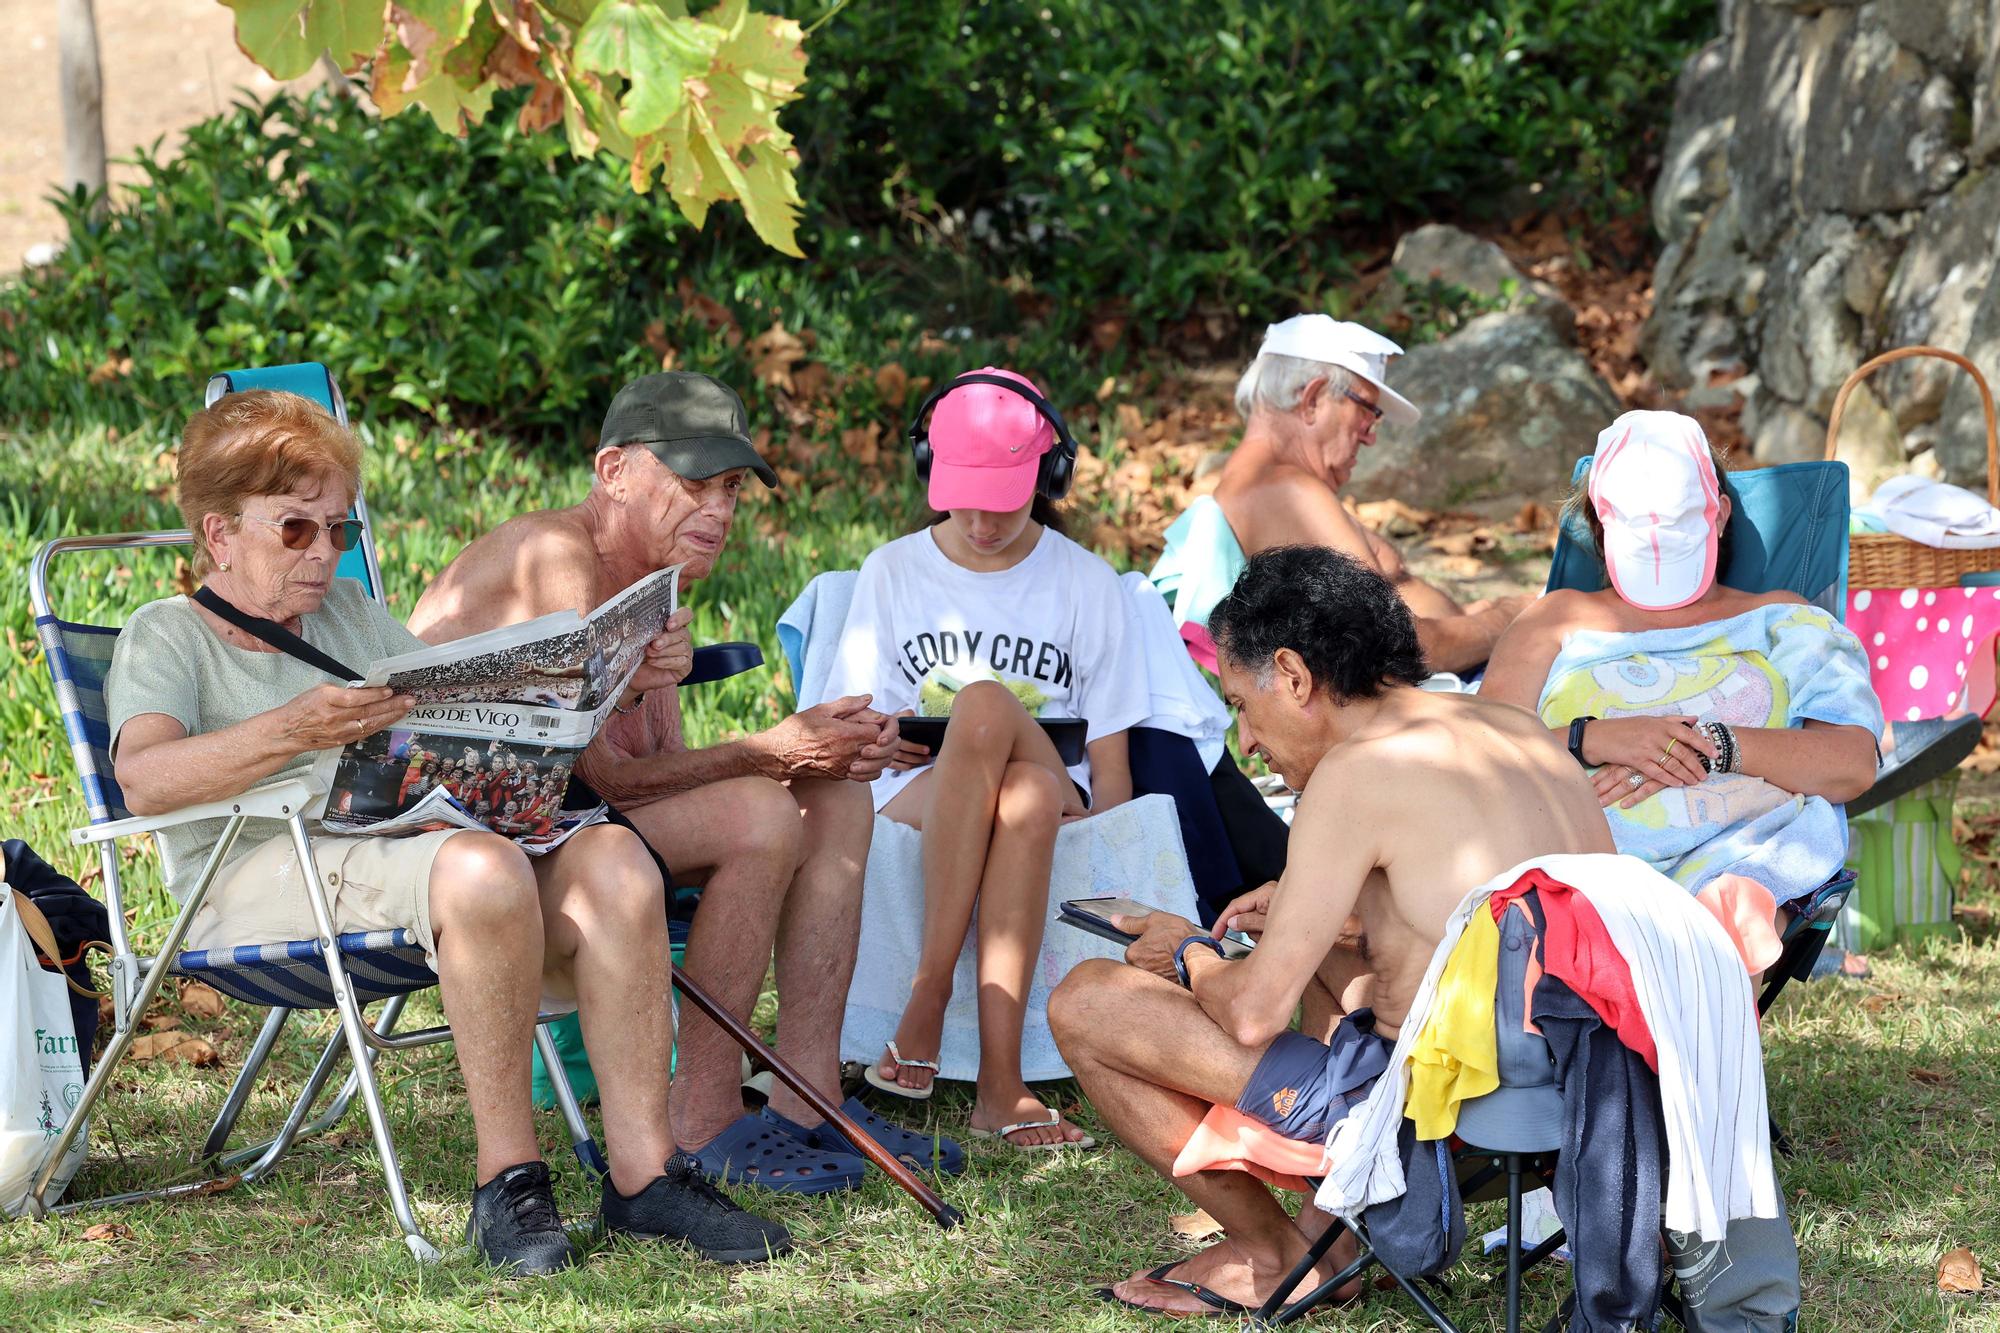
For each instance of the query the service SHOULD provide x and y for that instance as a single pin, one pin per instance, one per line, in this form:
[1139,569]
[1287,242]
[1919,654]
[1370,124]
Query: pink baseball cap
[1653,487]
[986,446]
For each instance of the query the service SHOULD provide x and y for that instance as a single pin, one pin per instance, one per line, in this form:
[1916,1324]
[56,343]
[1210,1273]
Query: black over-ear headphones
[1058,466]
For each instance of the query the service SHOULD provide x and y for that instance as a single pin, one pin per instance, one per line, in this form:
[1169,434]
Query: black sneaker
[515,1225]
[681,1204]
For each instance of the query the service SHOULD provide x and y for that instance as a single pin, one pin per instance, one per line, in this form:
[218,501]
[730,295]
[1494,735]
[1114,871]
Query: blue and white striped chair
[338,972]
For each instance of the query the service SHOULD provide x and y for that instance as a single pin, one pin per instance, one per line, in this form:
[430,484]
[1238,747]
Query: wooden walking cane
[753,1046]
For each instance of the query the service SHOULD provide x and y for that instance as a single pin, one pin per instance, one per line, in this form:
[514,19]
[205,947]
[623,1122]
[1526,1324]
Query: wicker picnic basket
[1885,560]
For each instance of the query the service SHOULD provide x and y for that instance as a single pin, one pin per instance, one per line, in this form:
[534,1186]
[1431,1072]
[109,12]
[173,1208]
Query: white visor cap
[1350,346]
[1653,487]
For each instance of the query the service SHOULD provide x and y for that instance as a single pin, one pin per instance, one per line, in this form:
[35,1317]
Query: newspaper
[499,722]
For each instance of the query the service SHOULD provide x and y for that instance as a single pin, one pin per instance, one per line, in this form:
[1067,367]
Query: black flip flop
[1218,1305]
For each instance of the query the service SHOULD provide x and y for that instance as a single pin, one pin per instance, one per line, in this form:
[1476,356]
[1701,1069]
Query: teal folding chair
[1789,531]
[339,971]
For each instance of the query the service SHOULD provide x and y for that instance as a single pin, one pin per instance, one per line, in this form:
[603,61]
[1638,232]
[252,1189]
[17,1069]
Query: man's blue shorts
[1302,1087]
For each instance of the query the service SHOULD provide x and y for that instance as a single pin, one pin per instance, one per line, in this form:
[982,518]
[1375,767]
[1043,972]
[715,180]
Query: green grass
[1901,1164]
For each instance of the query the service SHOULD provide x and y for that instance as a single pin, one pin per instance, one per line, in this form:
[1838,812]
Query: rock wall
[1831,190]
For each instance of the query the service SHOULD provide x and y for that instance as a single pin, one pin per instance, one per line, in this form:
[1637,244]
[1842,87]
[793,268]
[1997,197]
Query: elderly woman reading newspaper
[1722,727]
[201,710]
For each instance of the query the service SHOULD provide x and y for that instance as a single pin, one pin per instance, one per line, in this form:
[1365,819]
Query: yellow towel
[1455,1057]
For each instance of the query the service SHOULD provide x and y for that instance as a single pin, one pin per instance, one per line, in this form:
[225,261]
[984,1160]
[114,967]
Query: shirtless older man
[775,825]
[1408,800]
[1311,402]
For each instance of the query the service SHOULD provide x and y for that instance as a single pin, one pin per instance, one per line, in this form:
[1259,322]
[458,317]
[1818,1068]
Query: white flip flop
[875,1080]
[1055,1118]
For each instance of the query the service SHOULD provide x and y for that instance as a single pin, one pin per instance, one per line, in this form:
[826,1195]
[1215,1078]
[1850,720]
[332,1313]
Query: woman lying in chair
[202,710]
[1723,726]
[992,617]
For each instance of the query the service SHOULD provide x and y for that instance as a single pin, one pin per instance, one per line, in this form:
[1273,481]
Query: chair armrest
[719,661]
[1932,752]
[278,800]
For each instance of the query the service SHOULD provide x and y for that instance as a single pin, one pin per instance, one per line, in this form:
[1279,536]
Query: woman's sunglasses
[298,534]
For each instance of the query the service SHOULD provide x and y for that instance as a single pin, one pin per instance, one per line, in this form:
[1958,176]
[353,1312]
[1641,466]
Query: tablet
[1093,915]
[1067,732]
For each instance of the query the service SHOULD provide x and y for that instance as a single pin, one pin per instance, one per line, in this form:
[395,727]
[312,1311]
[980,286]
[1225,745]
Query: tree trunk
[82,97]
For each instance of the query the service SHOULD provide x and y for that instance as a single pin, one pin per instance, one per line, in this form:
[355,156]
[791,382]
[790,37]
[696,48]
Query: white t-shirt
[1052,629]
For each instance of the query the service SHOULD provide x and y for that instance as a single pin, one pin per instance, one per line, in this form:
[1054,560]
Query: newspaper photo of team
[513,789]
[567,671]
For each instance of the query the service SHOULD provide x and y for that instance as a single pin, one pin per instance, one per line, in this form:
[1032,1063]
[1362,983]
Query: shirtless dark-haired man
[1408,800]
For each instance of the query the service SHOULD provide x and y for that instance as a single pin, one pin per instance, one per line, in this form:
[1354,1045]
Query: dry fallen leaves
[1958,1271]
[863,443]
[1533,518]
[773,353]
[711,313]
[1933,1077]
[892,382]
[201,1001]
[1393,518]
[119,1231]
[1197,1225]
[180,1046]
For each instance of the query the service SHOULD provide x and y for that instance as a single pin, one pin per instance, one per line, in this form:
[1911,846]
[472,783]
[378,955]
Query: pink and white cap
[1653,487]
[986,446]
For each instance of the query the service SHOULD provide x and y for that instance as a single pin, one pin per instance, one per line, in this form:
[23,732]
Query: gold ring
[1670,748]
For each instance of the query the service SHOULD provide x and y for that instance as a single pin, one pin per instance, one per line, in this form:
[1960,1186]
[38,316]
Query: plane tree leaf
[691,100]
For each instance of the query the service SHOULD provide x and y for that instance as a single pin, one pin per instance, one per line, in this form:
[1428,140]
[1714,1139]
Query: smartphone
[1067,732]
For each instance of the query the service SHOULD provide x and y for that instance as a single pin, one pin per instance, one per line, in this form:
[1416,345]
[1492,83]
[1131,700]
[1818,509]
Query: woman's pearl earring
[223,566]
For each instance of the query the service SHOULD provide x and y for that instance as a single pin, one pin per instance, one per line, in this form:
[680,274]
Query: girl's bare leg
[1013,906]
[956,804]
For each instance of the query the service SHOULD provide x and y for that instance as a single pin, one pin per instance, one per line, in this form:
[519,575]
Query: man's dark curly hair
[1341,617]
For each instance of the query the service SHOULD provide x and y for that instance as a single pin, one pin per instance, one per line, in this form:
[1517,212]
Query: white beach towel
[1935,513]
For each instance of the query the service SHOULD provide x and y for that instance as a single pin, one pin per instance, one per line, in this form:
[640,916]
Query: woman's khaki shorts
[371,884]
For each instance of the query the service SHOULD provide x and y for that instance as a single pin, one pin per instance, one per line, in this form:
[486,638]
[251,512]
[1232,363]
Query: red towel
[1577,950]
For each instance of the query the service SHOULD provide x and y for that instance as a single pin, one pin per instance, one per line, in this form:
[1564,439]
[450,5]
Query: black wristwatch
[1576,739]
[1180,956]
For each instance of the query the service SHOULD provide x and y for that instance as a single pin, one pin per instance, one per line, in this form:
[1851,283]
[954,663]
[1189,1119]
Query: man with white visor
[1311,402]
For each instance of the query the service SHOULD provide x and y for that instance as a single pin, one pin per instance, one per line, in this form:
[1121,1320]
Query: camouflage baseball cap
[693,423]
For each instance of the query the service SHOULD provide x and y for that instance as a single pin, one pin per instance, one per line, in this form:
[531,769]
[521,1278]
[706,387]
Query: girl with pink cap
[992,618]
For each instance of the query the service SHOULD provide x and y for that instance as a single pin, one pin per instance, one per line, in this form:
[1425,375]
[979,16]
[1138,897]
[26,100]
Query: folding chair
[342,972]
[1789,530]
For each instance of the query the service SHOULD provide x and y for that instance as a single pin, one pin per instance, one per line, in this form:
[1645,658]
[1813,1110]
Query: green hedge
[1007,171]
[1170,155]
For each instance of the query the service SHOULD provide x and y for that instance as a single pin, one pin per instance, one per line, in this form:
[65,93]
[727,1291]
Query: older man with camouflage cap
[775,825]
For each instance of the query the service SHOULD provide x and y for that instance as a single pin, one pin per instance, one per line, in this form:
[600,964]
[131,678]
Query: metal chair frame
[136,979]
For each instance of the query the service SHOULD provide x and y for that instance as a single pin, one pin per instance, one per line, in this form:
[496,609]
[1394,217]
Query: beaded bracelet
[1724,740]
